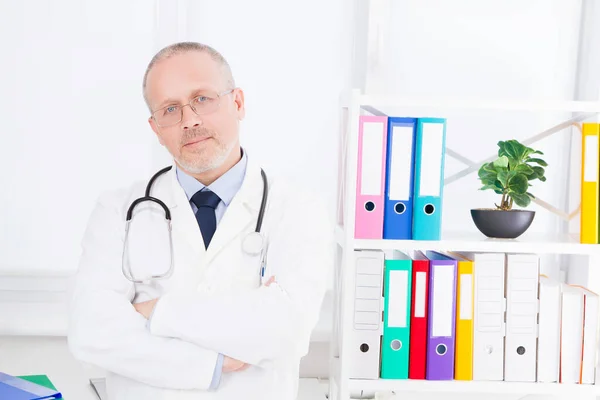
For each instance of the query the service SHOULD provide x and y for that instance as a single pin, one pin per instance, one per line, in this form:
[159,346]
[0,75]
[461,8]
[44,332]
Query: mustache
[196,133]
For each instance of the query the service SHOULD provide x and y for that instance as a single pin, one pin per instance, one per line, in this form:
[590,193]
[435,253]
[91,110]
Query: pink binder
[370,179]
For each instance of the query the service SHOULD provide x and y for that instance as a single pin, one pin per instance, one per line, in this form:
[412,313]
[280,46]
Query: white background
[74,121]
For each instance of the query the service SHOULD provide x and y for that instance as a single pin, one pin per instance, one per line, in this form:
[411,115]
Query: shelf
[539,243]
[531,388]
[480,104]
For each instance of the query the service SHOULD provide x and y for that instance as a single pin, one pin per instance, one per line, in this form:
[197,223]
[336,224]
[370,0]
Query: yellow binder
[463,357]
[589,182]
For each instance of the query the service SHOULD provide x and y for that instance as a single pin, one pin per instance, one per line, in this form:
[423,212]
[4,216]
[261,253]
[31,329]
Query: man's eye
[170,110]
[202,99]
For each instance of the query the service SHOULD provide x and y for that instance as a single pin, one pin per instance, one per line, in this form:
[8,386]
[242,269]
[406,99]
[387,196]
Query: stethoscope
[254,243]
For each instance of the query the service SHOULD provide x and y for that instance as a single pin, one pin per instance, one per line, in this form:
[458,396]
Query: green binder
[396,317]
[41,380]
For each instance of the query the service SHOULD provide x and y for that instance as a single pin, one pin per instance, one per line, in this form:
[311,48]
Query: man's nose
[189,119]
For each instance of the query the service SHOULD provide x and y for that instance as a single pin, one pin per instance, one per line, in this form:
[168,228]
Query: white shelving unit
[341,386]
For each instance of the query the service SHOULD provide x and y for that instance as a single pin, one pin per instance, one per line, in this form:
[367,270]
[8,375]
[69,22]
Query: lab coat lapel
[184,224]
[241,213]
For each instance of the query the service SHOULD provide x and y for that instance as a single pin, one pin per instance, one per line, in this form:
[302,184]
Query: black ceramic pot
[502,224]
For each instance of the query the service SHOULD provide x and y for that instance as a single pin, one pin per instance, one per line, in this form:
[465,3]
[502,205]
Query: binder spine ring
[369,206]
[399,208]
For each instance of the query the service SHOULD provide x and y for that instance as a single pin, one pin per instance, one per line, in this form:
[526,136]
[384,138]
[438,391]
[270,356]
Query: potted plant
[509,176]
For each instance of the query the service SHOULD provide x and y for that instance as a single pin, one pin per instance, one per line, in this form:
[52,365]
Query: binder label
[431,159]
[443,283]
[466,296]
[590,171]
[421,280]
[372,158]
[401,163]
[398,298]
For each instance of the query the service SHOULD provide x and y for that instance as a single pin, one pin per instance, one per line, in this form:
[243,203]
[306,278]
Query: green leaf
[501,162]
[524,169]
[489,167]
[518,184]
[487,175]
[537,161]
[488,187]
[501,148]
[514,151]
[522,200]
[538,173]
[503,177]
[495,187]
[499,189]
[530,195]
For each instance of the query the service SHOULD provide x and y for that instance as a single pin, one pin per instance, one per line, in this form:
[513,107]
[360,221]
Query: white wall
[73,120]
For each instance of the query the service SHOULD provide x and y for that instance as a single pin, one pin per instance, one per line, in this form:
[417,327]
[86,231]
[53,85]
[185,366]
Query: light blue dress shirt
[225,187]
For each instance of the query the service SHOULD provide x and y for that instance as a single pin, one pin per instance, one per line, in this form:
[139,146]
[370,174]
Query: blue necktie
[207,202]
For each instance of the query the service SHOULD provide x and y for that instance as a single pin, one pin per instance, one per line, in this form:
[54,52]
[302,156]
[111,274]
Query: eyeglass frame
[219,95]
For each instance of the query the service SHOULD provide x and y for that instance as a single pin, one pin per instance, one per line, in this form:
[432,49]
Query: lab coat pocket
[247,274]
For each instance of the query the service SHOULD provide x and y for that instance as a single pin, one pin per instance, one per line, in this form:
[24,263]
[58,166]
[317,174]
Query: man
[212,328]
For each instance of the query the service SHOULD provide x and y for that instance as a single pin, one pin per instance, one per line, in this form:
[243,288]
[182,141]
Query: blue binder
[430,153]
[14,388]
[398,210]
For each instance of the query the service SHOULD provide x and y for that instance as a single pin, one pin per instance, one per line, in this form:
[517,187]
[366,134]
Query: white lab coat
[214,301]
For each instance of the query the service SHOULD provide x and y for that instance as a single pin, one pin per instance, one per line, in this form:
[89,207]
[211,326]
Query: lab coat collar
[250,190]
[241,212]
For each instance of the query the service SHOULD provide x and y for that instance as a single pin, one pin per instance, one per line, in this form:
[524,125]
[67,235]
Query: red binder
[418,317]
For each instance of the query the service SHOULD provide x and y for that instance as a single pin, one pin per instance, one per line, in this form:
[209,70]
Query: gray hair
[184,47]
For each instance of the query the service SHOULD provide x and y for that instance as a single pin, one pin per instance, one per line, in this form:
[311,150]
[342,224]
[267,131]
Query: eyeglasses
[204,103]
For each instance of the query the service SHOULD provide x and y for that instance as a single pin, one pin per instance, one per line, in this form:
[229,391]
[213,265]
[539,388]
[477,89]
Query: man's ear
[156,130]
[239,103]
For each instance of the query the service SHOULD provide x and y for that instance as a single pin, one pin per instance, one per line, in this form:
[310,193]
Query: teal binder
[396,317]
[430,151]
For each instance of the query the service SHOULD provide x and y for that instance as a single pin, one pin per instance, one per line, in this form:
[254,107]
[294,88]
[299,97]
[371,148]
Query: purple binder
[442,313]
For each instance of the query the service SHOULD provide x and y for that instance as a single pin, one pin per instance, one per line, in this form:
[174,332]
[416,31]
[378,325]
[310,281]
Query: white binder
[590,337]
[488,318]
[571,340]
[548,362]
[520,348]
[367,316]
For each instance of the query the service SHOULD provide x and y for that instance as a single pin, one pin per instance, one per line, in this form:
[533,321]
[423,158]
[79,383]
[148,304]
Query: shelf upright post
[347,267]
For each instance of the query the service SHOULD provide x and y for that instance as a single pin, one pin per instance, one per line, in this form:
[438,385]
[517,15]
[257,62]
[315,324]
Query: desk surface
[26,355]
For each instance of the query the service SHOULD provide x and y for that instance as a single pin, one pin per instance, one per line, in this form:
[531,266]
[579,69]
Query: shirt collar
[226,186]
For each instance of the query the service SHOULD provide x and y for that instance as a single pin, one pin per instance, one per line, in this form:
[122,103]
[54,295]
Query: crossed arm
[106,331]
[271,322]
[274,320]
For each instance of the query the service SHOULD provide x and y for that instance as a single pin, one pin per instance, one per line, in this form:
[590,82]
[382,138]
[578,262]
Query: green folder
[41,380]
[396,328]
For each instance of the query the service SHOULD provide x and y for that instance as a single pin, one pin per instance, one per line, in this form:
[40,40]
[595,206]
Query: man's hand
[233,365]
[145,308]
[271,280]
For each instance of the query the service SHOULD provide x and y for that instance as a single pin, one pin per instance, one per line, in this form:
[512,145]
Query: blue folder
[15,388]
[398,211]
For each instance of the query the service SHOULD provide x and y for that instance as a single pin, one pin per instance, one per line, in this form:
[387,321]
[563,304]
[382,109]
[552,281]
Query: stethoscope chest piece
[253,243]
